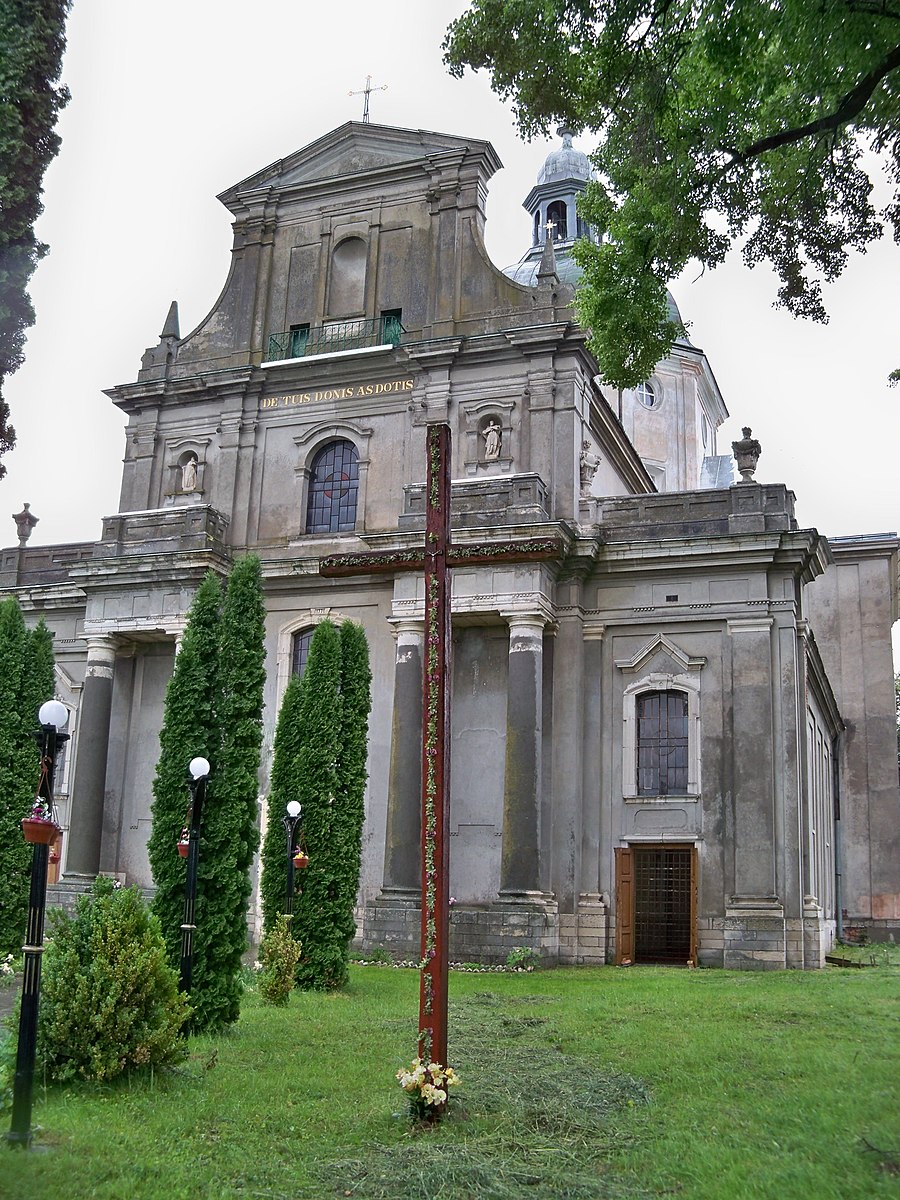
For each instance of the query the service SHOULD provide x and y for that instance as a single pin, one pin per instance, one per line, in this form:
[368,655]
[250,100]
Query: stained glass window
[333,489]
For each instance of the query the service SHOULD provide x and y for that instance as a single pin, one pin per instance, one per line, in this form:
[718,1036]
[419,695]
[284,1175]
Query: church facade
[673,713]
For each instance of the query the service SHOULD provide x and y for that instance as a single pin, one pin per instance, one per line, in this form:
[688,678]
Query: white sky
[175,100]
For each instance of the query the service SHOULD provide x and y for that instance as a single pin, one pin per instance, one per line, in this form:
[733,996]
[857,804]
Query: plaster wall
[851,609]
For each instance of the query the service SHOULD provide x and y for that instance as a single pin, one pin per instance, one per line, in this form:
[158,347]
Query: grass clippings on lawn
[579,1084]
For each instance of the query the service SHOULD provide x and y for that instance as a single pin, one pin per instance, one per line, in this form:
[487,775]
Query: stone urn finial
[746,454]
[25,522]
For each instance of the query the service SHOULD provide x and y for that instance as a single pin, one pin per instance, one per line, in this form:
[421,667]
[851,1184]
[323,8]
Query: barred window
[333,489]
[662,744]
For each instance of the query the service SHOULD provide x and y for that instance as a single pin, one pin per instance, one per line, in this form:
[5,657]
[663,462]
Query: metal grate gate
[662,904]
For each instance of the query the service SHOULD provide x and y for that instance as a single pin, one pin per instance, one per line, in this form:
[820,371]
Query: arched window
[556,212]
[333,489]
[300,650]
[662,743]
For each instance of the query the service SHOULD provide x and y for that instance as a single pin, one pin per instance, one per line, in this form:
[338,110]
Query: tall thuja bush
[189,729]
[285,786]
[38,679]
[230,831]
[349,813]
[318,922]
[26,681]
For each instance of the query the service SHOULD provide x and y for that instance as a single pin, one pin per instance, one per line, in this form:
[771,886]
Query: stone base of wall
[755,934]
[711,941]
[859,931]
[817,934]
[584,934]
[66,891]
[485,933]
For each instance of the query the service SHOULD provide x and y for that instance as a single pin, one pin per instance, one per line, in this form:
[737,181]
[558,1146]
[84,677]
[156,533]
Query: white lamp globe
[52,712]
[198,768]
[293,808]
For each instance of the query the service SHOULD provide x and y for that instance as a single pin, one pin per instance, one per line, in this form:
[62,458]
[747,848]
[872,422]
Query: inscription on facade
[357,391]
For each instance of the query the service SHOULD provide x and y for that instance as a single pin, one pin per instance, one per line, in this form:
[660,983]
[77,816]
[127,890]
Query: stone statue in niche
[588,464]
[189,474]
[493,435]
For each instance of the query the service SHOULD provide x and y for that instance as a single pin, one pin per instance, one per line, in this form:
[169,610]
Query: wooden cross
[367,92]
[436,559]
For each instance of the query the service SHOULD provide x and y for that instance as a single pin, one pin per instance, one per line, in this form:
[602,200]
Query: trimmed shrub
[109,1000]
[26,681]
[279,955]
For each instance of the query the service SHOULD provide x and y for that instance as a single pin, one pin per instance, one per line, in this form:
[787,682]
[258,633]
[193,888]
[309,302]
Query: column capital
[101,657]
[101,648]
[524,624]
[407,629]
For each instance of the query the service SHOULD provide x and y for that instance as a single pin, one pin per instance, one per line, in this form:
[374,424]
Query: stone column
[520,873]
[402,855]
[89,782]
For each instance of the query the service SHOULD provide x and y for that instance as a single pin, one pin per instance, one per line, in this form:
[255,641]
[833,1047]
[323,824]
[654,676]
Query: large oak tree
[717,121]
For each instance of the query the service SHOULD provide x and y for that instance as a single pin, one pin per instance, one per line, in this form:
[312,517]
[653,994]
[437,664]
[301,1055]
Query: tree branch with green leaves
[718,123]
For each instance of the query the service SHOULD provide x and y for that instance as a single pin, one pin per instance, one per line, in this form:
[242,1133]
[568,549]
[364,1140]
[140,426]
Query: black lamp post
[41,830]
[198,770]
[290,820]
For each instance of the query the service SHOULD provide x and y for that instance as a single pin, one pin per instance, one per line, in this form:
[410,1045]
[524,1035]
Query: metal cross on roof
[367,91]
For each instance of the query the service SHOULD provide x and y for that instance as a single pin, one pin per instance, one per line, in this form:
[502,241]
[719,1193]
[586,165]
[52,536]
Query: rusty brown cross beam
[436,558]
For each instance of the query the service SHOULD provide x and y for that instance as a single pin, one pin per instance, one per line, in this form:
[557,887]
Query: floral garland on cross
[427,1082]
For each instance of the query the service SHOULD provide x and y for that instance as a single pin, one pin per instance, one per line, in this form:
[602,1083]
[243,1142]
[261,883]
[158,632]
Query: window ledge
[686,798]
[317,358]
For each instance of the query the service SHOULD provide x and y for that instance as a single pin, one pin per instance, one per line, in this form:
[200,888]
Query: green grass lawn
[581,1084]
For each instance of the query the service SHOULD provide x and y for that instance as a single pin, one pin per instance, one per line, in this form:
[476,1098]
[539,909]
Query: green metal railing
[336,335]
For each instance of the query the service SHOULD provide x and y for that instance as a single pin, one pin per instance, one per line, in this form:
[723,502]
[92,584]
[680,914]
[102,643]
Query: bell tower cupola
[551,205]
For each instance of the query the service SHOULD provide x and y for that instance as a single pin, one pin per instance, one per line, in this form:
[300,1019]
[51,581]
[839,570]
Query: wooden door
[624,905]
[656,904]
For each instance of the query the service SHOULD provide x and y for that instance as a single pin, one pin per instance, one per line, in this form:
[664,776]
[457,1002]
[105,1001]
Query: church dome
[526,269]
[565,162]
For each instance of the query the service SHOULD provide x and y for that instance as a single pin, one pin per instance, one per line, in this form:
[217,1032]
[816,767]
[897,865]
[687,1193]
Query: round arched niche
[347,285]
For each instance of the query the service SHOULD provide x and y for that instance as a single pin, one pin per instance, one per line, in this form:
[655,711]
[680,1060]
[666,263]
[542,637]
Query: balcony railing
[308,340]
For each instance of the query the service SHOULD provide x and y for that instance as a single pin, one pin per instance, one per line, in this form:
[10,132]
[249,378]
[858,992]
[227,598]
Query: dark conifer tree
[356,697]
[321,761]
[38,678]
[189,729]
[26,681]
[285,786]
[318,924]
[230,818]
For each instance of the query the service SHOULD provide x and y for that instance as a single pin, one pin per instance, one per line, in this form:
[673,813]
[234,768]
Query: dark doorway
[656,890]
